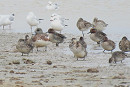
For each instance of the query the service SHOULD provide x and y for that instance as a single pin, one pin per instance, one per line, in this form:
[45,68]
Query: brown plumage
[97,36]
[82,42]
[117,56]
[24,45]
[55,37]
[99,24]
[108,45]
[124,44]
[83,25]
[40,39]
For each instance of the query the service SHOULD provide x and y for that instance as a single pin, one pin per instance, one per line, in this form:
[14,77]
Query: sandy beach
[57,66]
[65,70]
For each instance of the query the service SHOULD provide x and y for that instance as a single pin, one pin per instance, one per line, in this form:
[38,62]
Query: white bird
[55,15]
[57,24]
[32,20]
[52,6]
[6,20]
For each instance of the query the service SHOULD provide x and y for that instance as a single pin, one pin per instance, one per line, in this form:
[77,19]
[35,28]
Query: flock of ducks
[78,47]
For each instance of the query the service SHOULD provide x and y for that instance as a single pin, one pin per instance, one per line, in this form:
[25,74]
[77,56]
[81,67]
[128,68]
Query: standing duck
[99,24]
[83,25]
[117,56]
[55,37]
[96,36]
[108,45]
[24,45]
[40,39]
[124,44]
[83,43]
[78,50]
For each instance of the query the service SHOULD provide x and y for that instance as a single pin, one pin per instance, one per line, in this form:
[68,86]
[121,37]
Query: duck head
[38,31]
[124,38]
[51,30]
[92,30]
[95,19]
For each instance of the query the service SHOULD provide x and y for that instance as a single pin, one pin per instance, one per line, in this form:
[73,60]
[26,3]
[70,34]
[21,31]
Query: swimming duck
[55,37]
[108,45]
[40,39]
[24,45]
[83,25]
[99,24]
[124,44]
[96,36]
[117,56]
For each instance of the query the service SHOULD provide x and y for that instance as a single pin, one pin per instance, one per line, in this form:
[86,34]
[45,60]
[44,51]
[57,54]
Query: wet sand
[65,70]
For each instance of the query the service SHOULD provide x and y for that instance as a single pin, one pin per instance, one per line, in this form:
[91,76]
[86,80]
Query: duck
[57,24]
[52,6]
[78,49]
[83,25]
[32,20]
[108,45]
[24,45]
[72,42]
[99,24]
[40,39]
[96,36]
[6,20]
[82,42]
[117,56]
[124,44]
[55,37]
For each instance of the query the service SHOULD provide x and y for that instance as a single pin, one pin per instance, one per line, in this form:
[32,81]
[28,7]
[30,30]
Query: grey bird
[124,44]
[40,39]
[97,36]
[83,25]
[82,42]
[55,37]
[108,45]
[78,50]
[24,45]
[99,24]
[117,56]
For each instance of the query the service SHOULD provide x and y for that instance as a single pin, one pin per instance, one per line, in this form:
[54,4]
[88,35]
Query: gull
[52,6]
[32,20]
[6,20]
[57,24]
[55,15]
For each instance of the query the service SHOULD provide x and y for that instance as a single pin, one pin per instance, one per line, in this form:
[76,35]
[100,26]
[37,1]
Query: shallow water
[113,12]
